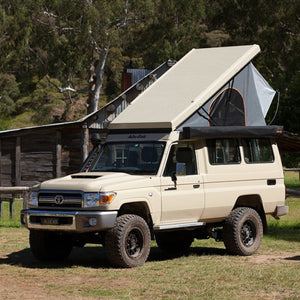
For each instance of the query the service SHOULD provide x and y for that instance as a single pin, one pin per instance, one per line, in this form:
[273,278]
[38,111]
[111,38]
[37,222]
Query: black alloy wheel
[243,231]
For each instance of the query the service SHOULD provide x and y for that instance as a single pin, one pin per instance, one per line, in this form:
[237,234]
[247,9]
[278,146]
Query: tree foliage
[47,101]
[61,58]
[9,93]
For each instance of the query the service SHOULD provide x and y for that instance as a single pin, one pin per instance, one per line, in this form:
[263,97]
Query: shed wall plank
[7,161]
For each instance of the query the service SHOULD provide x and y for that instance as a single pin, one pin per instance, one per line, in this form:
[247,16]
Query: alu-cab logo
[59,199]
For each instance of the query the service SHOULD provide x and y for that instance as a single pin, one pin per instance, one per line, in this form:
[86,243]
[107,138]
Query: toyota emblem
[59,199]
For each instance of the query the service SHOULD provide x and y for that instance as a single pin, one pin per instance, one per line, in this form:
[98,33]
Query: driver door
[183,198]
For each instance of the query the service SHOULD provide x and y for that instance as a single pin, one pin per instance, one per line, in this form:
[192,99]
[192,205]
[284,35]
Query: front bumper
[75,221]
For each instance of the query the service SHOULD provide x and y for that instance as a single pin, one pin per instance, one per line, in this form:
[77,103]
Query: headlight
[33,198]
[96,199]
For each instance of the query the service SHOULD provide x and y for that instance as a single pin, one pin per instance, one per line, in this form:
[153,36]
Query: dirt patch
[3,240]
[271,258]
[22,283]
[274,295]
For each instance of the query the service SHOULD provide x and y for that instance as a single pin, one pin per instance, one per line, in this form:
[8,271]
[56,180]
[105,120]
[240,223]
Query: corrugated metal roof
[138,74]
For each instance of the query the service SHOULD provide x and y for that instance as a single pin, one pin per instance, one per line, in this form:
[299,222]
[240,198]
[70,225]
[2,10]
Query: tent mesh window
[228,109]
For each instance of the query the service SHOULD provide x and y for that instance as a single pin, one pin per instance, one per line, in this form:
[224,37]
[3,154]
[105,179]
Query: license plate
[49,221]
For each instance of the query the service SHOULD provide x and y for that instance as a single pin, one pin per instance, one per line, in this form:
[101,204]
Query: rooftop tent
[243,101]
[207,87]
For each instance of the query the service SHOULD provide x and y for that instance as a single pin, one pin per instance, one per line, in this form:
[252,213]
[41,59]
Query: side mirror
[174,179]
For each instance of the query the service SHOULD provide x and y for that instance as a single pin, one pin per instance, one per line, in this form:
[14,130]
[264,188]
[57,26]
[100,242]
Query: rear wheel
[176,242]
[49,246]
[243,231]
[127,244]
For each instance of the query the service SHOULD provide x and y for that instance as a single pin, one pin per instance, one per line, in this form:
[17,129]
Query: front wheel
[128,243]
[243,231]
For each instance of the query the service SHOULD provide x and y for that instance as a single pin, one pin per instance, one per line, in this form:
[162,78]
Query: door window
[181,161]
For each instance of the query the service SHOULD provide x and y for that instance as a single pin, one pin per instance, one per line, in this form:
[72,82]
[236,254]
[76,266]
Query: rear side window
[258,150]
[223,151]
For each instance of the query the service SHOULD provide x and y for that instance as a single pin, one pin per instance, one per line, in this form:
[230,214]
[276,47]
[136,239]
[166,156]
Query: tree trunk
[96,81]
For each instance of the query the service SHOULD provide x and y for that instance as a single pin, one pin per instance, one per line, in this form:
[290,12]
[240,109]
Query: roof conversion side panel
[185,87]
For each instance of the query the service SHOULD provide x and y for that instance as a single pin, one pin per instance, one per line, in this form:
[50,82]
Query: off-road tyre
[49,246]
[174,242]
[243,231]
[128,243]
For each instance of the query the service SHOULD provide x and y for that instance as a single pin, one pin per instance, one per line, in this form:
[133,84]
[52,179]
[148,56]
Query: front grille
[60,199]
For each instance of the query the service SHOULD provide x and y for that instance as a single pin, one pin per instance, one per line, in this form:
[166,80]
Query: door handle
[271,182]
[171,189]
[196,186]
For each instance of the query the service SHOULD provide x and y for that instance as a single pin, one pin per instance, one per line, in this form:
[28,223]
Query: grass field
[292,180]
[207,272]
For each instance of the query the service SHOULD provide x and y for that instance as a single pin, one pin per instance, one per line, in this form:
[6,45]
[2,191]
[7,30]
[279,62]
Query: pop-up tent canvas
[243,101]
[207,87]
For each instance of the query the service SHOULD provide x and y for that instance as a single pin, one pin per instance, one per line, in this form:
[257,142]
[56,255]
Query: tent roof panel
[185,87]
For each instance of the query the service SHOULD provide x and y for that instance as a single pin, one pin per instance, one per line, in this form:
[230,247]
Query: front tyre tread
[128,243]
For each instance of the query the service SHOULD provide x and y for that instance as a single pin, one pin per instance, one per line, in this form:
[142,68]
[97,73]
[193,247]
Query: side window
[257,150]
[181,160]
[223,151]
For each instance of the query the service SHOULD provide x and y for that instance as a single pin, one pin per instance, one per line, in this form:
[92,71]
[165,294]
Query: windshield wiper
[128,171]
[111,170]
[147,171]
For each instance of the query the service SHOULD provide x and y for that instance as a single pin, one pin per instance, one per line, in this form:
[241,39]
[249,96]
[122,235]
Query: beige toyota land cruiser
[137,187]
[190,157]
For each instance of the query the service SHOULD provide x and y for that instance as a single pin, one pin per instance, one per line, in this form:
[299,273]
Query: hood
[94,182]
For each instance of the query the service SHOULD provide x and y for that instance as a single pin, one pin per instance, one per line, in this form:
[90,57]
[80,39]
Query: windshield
[129,157]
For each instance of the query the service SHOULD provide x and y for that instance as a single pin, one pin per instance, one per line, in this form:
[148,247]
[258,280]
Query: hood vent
[86,176]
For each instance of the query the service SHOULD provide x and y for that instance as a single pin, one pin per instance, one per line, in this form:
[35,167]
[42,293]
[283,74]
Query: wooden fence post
[18,161]
[15,190]
[1,209]
[12,207]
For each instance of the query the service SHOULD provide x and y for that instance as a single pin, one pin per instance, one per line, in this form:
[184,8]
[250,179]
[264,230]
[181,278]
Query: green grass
[17,121]
[6,221]
[206,272]
[286,230]
[291,180]
[22,120]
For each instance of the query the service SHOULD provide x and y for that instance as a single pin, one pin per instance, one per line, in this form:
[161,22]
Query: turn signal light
[106,198]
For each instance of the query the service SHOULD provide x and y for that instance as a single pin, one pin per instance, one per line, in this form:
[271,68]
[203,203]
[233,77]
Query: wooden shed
[34,154]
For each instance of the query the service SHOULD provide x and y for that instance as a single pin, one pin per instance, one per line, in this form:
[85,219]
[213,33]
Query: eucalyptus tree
[84,33]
